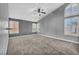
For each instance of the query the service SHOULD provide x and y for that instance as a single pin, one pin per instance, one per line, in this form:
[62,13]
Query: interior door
[3,28]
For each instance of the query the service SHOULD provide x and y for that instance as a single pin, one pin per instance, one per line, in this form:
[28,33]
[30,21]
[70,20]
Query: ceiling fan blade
[39,14]
[35,12]
[43,12]
[42,9]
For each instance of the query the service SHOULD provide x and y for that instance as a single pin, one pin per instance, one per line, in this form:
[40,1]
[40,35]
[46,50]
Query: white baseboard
[59,38]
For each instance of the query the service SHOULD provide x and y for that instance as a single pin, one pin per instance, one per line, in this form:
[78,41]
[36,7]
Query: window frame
[71,17]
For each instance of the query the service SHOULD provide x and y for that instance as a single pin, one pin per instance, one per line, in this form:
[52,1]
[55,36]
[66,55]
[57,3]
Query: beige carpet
[40,45]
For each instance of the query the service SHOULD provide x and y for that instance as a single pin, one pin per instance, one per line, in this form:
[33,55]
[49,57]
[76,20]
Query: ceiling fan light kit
[39,11]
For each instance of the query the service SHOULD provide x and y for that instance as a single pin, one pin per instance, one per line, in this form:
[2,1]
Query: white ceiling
[24,11]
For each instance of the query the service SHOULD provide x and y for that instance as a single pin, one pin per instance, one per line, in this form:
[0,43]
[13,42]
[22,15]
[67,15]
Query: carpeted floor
[40,45]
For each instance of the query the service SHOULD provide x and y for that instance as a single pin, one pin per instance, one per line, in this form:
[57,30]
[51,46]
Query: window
[75,9]
[71,21]
[38,27]
[34,27]
[68,11]
[14,25]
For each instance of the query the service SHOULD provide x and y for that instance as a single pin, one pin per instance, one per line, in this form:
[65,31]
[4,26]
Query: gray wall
[25,27]
[3,24]
[53,25]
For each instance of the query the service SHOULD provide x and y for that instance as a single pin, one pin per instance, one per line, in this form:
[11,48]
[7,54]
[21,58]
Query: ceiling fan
[39,11]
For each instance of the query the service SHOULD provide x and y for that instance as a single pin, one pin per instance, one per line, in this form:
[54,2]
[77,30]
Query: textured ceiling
[24,11]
